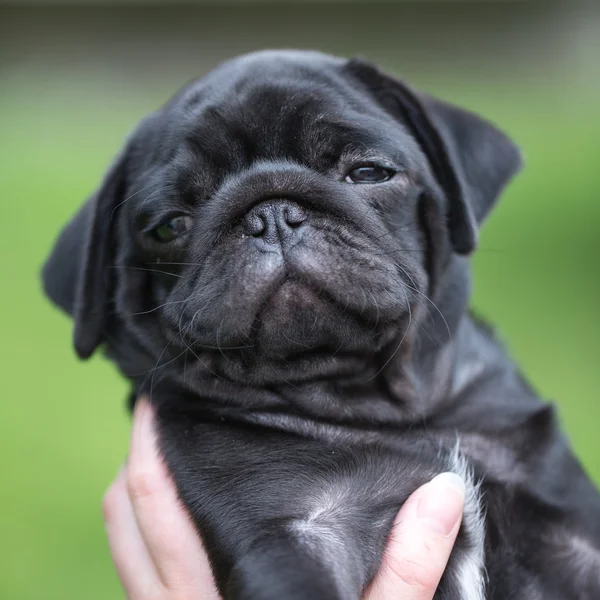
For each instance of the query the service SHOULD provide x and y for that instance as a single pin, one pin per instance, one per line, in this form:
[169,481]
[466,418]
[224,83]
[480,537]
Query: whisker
[184,264]
[225,348]
[399,266]
[218,335]
[395,230]
[414,289]
[376,308]
[145,312]
[129,198]
[398,251]
[157,365]
[339,348]
[387,362]
[204,364]
[283,378]
[191,324]
[150,196]
[296,342]
[184,365]
[163,365]
[144,269]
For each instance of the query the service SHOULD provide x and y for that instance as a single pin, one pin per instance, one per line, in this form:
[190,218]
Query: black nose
[274,221]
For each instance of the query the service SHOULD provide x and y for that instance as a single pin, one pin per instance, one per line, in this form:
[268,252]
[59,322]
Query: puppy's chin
[299,322]
[302,334]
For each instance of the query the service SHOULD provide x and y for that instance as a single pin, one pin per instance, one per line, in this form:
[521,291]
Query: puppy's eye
[369,174]
[172,228]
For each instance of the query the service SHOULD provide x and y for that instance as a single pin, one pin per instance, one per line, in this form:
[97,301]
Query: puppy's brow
[355,155]
[130,197]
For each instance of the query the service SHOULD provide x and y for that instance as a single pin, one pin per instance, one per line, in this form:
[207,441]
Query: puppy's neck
[421,375]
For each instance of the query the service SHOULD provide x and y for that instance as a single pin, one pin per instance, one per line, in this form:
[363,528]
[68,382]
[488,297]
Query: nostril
[255,224]
[294,216]
[273,220]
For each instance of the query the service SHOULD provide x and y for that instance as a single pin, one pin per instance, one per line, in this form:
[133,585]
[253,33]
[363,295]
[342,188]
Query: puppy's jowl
[279,257]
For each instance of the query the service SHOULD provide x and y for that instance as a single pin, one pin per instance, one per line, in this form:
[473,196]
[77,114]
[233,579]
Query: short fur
[307,343]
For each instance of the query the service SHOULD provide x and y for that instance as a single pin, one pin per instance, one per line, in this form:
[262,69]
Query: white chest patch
[323,531]
[471,568]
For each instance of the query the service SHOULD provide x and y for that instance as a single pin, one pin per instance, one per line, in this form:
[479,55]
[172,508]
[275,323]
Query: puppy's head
[281,219]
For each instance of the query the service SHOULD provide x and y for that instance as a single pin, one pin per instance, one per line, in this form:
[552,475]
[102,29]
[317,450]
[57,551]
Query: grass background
[63,424]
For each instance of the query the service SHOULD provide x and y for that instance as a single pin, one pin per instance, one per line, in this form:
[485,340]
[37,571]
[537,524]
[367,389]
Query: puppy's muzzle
[275,222]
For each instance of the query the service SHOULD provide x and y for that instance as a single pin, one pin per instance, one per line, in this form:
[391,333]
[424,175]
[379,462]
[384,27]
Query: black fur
[307,343]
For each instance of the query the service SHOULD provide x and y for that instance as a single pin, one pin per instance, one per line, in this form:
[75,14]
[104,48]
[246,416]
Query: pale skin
[159,556]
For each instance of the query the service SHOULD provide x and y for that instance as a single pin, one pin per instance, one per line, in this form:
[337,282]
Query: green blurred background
[74,81]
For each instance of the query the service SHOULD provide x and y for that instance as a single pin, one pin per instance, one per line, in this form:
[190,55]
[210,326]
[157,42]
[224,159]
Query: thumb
[421,541]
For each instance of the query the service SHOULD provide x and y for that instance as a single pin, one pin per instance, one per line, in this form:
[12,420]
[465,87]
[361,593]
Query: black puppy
[277,257]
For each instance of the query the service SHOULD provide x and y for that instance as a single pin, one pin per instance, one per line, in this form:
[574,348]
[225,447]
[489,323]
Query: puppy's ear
[77,275]
[471,159]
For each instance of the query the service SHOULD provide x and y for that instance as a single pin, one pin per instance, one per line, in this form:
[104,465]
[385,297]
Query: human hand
[159,556]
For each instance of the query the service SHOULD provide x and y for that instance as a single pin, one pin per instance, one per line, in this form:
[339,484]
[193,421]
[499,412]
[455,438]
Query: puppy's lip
[298,294]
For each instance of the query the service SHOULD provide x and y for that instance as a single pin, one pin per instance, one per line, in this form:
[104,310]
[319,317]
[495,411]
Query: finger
[135,568]
[171,538]
[421,541]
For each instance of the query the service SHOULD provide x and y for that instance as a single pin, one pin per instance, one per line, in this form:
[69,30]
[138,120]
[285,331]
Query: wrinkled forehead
[265,109]
[261,109]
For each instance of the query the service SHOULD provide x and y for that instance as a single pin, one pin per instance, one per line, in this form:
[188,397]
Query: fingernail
[440,506]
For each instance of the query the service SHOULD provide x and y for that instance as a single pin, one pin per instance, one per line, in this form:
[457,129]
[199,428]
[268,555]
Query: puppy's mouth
[300,333]
[319,301]
[300,328]
[299,321]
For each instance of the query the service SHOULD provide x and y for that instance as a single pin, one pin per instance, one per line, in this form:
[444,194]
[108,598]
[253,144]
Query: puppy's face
[281,219]
[284,212]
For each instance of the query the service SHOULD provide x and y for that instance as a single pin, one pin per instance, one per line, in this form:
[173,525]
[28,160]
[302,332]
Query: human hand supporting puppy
[159,556]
